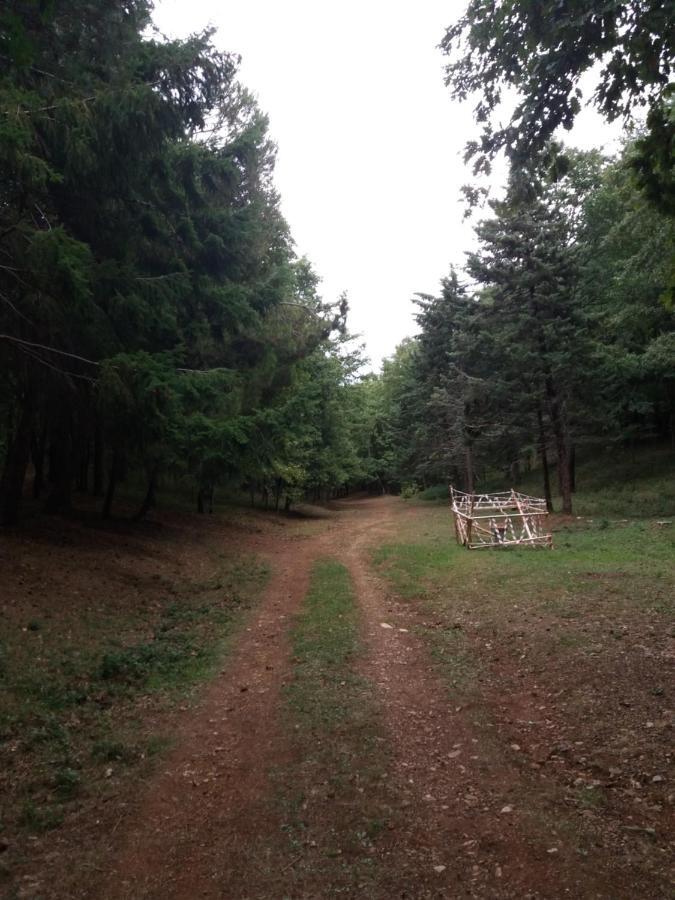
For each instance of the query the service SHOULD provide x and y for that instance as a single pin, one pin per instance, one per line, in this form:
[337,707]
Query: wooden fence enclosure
[504,519]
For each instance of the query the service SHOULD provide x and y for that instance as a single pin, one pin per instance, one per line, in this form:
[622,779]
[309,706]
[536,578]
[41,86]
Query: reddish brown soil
[472,809]
[475,821]
[196,833]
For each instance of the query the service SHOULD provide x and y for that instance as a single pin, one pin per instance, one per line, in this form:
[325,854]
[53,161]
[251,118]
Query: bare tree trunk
[38,446]
[113,478]
[14,470]
[149,499]
[468,467]
[562,445]
[543,456]
[83,467]
[98,461]
[61,466]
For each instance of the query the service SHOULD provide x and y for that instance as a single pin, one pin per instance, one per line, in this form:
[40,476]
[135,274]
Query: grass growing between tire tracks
[334,795]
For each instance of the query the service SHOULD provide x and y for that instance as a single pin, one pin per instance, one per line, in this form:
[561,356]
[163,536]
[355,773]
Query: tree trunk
[205,498]
[60,469]
[149,499]
[83,467]
[468,467]
[14,470]
[541,446]
[97,487]
[113,478]
[38,446]
[573,468]
[562,445]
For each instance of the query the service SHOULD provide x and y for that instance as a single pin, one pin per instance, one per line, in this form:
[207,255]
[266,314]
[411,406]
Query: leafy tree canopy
[541,50]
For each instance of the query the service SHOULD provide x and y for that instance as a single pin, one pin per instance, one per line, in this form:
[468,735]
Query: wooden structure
[505,519]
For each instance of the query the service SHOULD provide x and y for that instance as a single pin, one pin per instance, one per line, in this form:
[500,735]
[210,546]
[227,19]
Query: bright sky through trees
[370,143]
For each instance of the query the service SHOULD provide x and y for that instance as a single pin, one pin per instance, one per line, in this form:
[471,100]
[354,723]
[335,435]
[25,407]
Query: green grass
[576,636]
[631,561]
[324,645]
[340,757]
[605,585]
[73,703]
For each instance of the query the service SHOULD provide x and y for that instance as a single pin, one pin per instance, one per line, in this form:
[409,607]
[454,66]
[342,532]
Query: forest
[157,327]
[242,654]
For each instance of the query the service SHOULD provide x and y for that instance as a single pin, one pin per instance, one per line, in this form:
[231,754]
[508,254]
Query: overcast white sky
[370,144]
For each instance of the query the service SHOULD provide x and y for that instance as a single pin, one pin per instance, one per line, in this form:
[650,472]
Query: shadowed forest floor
[248,706]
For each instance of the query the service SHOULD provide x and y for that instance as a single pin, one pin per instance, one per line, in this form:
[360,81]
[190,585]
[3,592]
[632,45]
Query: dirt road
[210,825]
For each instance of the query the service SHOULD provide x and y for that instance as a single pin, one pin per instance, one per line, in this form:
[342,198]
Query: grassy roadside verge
[90,680]
[560,663]
[601,603]
[334,794]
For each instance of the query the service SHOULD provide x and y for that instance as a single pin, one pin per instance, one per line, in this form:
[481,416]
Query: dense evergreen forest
[157,326]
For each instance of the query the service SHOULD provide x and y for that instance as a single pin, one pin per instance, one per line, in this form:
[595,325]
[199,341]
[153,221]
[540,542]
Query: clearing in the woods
[348,705]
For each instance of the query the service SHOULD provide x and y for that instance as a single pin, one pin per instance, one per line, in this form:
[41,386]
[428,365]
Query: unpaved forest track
[194,835]
[451,790]
[209,825]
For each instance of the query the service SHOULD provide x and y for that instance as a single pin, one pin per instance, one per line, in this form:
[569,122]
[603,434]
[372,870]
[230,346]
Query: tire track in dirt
[210,825]
[201,826]
[462,834]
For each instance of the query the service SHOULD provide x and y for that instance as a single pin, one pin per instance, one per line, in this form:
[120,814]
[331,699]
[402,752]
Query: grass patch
[602,602]
[324,644]
[625,564]
[78,689]
[335,796]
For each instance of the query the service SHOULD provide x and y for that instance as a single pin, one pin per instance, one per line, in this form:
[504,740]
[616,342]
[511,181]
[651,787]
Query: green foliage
[437,492]
[566,341]
[151,306]
[541,50]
